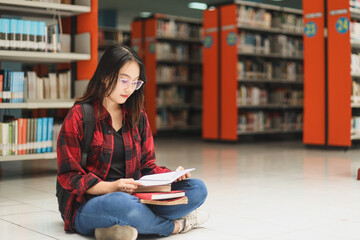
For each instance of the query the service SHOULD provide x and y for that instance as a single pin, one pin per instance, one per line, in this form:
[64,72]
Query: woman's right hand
[128,185]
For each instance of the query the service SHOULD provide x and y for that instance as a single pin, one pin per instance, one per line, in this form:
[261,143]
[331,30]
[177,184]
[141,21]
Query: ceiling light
[197,5]
[145,14]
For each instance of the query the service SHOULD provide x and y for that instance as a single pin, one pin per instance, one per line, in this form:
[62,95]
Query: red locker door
[229,84]
[339,77]
[150,68]
[314,73]
[210,122]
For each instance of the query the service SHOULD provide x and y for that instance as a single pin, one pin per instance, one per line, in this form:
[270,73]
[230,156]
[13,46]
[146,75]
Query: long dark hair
[114,58]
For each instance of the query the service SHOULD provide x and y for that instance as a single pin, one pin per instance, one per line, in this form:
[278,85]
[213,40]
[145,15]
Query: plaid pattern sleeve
[73,181]
[148,165]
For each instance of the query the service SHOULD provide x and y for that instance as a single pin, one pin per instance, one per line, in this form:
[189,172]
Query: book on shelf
[26,136]
[19,34]
[55,86]
[162,178]
[160,195]
[257,17]
[168,202]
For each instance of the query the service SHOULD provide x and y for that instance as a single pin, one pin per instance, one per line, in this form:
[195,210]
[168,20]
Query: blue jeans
[125,209]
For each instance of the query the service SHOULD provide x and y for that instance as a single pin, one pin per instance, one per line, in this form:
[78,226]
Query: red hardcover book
[160,195]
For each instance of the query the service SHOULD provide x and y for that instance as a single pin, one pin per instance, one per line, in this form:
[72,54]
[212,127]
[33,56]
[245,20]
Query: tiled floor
[275,191]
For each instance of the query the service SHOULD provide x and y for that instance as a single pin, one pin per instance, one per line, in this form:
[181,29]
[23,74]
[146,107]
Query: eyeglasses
[134,84]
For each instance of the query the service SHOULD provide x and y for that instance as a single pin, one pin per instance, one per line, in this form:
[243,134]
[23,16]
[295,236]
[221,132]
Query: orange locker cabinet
[210,122]
[314,73]
[339,78]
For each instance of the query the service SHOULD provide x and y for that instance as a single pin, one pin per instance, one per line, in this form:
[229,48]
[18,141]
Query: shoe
[194,220]
[116,232]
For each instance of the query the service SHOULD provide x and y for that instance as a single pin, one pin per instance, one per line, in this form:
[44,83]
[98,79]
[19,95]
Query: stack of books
[156,189]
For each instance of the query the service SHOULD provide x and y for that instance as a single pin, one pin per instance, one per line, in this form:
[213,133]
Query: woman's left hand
[183,177]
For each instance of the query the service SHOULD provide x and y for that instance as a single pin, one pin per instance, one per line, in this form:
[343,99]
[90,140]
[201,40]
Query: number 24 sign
[342,25]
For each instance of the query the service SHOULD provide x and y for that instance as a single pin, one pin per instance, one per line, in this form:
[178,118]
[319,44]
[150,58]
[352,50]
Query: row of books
[177,73]
[178,96]
[178,52]
[262,121]
[259,69]
[266,19]
[17,34]
[170,28]
[355,30]
[355,64]
[177,119]
[28,136]
[355,3]
[11,86]
[355,125]
[53,86]
[253,95]
[355,92]
[167,51]
[263,44]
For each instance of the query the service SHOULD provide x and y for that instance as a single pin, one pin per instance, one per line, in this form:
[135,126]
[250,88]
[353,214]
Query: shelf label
[310,29]
[338,12]
[342,25]
[313,15]
[228,27]
[231,39]
[208,41]
[211,30]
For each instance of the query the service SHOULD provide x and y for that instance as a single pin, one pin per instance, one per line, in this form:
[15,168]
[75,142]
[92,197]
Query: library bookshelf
[252,71]
[79,20]
[170,47]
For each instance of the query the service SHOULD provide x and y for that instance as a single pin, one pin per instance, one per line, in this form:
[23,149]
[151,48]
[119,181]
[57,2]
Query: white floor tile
[277,191]
[12,231]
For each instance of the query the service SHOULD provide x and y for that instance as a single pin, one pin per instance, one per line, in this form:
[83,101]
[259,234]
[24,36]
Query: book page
[162,178]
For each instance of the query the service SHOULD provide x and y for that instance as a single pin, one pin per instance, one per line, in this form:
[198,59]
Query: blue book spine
[14,87]
[11,88]
[22,86]
[18,34]
[44,134]
[26,37]
[12,38]
[2,33]
[6,24]
[39,135]
[41,35]
[50,134]
[33,33]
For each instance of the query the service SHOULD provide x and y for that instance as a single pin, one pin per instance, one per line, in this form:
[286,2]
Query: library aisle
[275,191]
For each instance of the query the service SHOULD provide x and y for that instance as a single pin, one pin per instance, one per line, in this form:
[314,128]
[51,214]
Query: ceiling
[127,10]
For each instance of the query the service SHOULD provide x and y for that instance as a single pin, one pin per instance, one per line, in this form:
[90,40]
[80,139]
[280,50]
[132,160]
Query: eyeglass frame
[129,82]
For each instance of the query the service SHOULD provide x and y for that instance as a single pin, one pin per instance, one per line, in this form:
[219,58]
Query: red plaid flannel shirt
[74,181]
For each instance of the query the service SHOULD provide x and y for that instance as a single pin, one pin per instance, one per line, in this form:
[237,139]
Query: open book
[162,178]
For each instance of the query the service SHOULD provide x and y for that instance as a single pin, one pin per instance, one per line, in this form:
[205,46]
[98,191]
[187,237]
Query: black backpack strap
[89,128]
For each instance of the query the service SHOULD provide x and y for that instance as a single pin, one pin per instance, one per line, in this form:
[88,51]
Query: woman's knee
[199,189]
